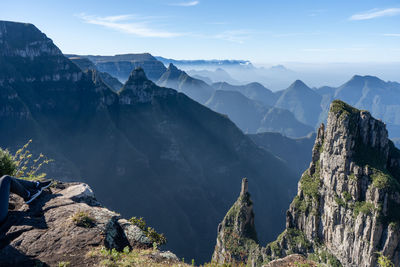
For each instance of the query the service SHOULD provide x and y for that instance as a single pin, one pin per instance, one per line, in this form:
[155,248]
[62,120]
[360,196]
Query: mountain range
[308,106]
[147,151]
[255,117]
[218,75]
[179,80]
[120,66]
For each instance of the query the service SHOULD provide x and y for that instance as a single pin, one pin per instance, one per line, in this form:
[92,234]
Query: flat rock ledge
[293,260]
[44,233]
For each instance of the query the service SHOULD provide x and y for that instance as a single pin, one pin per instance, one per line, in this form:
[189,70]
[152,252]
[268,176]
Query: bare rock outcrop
[45,232]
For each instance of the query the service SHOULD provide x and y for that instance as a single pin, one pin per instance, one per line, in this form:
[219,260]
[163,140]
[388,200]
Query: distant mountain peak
[137,74]
[358,82]
[256,84]
[24,40]
[138,80]
[278,67]
[298,84]
[173,68]
[365,78]
[139,89]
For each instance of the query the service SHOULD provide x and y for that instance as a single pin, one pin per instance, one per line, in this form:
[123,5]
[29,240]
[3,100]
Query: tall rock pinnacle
[236,233]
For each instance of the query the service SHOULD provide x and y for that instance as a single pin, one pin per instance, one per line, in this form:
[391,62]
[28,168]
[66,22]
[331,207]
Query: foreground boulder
[66,224]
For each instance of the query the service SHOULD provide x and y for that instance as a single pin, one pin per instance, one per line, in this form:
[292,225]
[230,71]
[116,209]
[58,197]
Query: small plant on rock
[383,261]
[27,166]
[155,238]
[7,164]
[83,219]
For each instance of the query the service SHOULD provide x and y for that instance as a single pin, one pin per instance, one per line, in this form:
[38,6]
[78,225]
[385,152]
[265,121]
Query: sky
[262,31]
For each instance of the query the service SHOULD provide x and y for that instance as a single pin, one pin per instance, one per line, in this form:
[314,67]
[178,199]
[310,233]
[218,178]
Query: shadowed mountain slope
[304,102]
[254,91]
[296,152]
[179,80]
[146,151]
[253,116]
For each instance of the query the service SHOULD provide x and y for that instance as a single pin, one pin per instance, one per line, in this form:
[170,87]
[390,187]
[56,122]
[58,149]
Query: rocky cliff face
[348,199]
[85,64]
[121,66]
[45,233]
[346,211]
[236,233]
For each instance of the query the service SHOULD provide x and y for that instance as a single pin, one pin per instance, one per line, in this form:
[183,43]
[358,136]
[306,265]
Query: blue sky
[262,31]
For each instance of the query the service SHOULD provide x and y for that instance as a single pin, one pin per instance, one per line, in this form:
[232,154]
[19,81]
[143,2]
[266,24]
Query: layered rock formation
[346,211]
[44,233]
[85,64]
[120,66]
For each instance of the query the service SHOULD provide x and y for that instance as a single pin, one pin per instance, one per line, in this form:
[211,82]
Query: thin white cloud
[117,18]
[130,24]
[327,50]
[376,13]
[295,34]
[186,4]
[316,12]
[141,26]
[217,23]
[319,49]
[235,36]
[392,34]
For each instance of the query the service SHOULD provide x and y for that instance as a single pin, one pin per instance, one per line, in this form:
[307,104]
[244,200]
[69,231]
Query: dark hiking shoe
[32,195]
[43,185]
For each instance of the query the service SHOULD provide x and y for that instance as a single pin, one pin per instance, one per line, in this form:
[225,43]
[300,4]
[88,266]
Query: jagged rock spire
[244,187]
[236,233]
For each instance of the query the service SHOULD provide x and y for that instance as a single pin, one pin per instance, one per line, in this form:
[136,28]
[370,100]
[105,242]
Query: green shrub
[333,261]
[301,204]
[7,164]
[139,222]
[64,264]
[27,166]
[155,238]
[381,179]
[82,218]
[346,196]
[340,201]
[297,238]
[363,207]
[383,261]
[352,176]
